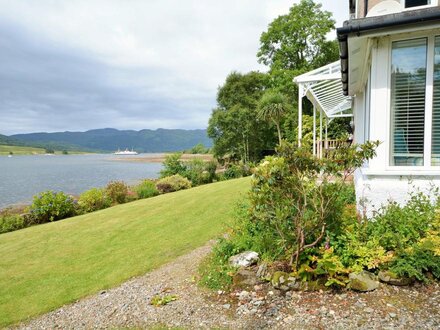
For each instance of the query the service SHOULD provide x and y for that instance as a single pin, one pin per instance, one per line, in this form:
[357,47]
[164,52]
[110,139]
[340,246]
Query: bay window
[415,102]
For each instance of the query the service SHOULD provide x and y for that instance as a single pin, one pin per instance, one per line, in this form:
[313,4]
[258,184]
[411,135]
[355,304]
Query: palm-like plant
[273,106]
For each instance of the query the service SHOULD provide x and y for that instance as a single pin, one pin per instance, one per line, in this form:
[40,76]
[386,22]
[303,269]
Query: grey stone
[244,279]
[262,271]
[363,281]
[283,281]
[244,259]
[390,278]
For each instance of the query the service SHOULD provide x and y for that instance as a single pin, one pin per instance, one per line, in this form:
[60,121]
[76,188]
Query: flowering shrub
[51,206]
[172,183]
[93,199]
[117,191]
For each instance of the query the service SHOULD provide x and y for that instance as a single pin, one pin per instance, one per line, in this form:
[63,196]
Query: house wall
[360,10]
[372,191]
[377,181]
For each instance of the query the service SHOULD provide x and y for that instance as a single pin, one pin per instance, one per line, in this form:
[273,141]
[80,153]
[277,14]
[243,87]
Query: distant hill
[110,139]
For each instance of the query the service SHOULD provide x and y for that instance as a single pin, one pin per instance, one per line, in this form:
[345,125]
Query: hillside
[19,150]
[109,139]
[46,266]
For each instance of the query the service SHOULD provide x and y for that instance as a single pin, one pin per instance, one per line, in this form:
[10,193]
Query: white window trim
[433,3]
[426,168]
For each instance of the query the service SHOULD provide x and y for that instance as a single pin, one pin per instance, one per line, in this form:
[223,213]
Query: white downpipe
[314,130]
[320,133]
[299,114]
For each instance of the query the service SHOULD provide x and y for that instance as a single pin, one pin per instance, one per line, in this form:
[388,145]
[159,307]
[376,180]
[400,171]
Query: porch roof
[323,87]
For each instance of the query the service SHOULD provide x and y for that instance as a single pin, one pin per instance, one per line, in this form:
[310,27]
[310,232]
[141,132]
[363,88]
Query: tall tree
[293,44]
[298,40]
[234,125]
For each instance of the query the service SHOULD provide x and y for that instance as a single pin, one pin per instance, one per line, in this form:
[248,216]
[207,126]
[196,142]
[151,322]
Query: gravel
[128,306]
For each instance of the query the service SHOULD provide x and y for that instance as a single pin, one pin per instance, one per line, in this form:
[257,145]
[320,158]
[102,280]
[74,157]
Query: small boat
[126,152]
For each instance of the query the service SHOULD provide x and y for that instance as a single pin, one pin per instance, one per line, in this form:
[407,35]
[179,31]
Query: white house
[390,70]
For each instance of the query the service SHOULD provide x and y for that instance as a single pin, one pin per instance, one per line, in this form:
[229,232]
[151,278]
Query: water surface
[21,177]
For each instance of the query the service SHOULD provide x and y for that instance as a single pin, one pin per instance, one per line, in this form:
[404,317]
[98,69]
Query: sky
[126,64]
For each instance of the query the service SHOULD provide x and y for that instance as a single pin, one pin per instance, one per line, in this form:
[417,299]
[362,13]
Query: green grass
[17,150]
[46,266]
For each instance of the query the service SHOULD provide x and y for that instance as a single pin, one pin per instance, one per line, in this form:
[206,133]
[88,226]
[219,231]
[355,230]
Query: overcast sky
[84,64]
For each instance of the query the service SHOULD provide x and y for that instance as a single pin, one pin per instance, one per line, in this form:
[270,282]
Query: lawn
[46,266]
[17,150]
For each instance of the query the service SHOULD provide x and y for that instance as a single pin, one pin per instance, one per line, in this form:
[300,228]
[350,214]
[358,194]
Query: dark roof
[357,27]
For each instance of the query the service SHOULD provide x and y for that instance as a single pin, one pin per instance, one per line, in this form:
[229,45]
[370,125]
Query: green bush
[117,191]
[397,227]
[172,183]
[173,165]
[51,206]
[200,172]
[146,189]
[10,222]
[93,199]
[404,239]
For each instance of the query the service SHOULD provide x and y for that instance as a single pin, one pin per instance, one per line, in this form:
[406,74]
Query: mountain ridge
[111,139]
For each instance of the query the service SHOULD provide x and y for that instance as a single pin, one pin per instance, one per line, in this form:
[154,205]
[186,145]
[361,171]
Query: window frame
[429,93]
[432,4]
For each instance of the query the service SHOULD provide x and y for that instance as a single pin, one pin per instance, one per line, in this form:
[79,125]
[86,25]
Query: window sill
[402,172]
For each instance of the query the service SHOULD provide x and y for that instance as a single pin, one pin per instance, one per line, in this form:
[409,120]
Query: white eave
[323,87]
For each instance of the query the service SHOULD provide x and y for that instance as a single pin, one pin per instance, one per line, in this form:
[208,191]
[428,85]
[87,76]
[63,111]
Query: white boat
[126,152]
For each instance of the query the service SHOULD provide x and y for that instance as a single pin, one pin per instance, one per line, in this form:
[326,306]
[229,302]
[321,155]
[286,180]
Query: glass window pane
[435,148]
[408,86]
[416,3]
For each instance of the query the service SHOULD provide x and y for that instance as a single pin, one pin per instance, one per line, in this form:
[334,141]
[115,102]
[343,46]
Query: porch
[323,88]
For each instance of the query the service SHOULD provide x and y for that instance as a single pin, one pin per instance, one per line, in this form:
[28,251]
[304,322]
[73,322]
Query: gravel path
[128,306]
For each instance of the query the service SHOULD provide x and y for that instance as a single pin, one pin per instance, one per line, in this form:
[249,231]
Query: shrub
[200,172]
[172,183]
[173,165]
[117,191]
[297,196]
[51,206]
[93,199]
[233,172]
[397,227]
[403,239]
[146,189]
[10,222]
[195,169]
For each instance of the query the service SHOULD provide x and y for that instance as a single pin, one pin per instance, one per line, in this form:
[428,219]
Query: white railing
[323,147]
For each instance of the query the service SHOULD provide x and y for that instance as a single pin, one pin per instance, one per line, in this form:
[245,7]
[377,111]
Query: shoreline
[160,157]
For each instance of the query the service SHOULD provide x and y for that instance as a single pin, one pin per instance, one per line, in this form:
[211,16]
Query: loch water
[21,177]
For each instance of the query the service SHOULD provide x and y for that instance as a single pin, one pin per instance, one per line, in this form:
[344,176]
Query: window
[408,90]
[416,3]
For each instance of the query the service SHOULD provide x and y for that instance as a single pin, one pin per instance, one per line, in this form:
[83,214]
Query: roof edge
[357,26]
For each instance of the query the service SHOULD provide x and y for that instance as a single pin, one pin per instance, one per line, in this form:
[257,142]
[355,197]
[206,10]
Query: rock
[262,271]
[283,281]
[227,306]
[244,259]
[244,279]
[391,278]
[363,281]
